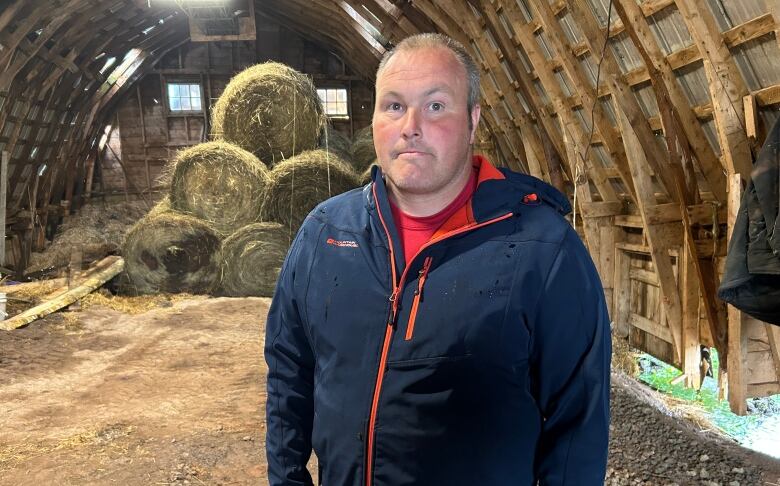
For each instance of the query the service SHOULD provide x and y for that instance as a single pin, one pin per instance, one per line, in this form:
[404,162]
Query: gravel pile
[650,446]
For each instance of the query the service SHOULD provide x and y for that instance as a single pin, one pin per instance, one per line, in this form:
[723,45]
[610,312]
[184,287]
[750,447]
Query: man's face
[421,122]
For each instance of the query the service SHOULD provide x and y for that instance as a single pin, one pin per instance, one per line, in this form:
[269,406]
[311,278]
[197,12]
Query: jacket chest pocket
[446,312]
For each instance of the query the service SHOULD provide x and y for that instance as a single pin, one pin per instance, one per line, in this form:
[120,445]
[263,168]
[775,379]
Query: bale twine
[300,183]
[336,143]
[219,183]
[171,252]
[363,153]
[251,259]
[270,110]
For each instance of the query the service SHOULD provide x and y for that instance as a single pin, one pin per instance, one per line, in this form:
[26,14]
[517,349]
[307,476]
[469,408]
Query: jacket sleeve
[570,361]
[289,405]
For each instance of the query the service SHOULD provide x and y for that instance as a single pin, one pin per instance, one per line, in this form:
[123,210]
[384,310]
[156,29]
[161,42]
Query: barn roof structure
[646,113]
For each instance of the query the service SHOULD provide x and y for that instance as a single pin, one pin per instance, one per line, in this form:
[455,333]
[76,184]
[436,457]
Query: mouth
[410,153]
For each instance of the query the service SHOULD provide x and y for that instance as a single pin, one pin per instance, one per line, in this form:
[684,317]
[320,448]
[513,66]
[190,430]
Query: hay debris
[363,152]
[251,259]
[171,252]
[97,230]
[132,305]
[270,110]
[300,183]
[623,357]
[219,183]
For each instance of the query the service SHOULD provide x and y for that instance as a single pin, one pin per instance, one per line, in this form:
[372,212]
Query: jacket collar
[499,191]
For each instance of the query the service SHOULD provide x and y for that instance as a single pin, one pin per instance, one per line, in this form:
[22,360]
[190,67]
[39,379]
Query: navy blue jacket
[485,362]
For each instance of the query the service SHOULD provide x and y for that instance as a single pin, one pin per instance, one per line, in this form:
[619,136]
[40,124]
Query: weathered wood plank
[100,274]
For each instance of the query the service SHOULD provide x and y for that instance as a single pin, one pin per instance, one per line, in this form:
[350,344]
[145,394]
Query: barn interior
[648,115]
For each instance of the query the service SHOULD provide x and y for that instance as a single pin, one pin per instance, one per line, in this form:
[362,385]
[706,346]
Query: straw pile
[336,143]
[97,230]
[251,259]
[300,183]
[270,110]
[171,252]
[363,153]
[219,183]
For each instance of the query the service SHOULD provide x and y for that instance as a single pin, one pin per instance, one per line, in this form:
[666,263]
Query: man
[444,325]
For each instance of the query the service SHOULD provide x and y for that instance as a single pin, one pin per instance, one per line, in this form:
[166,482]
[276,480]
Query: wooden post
[622,293]
[691,342]
[3,195]
[737,387]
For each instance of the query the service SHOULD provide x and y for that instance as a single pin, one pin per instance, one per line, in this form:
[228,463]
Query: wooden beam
[737,338]
[527,42]
[691,342]
[730,124]
[639,31]
[588,95]
[751,119]
[658,236]
[103,271]
[658,330]
[768,96]
[4,157]
[602,209]
[747,31]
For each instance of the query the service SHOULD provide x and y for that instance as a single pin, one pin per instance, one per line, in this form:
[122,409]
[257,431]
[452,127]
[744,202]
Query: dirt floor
[176,396]
[171,396]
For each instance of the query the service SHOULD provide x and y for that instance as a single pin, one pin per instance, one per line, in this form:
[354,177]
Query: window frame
[346,116]
[178,83]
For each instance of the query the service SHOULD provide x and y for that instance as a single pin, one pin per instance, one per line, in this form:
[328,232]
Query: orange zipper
[417,296]
[394,301]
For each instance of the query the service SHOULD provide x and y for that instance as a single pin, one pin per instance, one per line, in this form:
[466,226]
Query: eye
[394,106]
[436,106]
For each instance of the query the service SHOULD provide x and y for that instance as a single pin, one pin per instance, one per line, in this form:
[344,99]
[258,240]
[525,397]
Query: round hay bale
[336,143]
[363,152]
[300,183]
[219,183]
[251,259]
[271,110]
[171,252]
[163,206]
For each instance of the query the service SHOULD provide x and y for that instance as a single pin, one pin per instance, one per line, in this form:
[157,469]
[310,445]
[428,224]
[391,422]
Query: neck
[421,205]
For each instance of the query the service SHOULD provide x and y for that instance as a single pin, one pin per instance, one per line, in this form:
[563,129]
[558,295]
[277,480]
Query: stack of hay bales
[228,221]
[363,153]
[300,183]
[216,189]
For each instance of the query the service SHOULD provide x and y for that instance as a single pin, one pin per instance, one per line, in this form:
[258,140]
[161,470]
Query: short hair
[420,41]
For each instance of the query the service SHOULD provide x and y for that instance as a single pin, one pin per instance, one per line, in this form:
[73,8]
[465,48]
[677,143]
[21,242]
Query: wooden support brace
[737,338]
[659,237]
[4,158]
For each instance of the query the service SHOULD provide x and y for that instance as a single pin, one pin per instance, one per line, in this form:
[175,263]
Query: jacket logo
[342,243]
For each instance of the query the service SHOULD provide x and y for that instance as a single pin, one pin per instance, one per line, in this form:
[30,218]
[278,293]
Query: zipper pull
[423,274]
[393,306]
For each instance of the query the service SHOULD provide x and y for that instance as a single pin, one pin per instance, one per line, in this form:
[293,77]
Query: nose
[411,124]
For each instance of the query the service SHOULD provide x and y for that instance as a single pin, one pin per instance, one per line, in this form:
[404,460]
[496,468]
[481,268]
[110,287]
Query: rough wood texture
[103,271]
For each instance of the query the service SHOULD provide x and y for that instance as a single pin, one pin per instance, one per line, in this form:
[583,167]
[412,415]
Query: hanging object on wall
[751,281]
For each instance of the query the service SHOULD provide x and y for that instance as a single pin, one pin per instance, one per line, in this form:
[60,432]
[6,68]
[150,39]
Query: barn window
[334,100]
[184,97]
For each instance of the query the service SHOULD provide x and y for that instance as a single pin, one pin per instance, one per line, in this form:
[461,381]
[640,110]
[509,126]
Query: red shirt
[416,231]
